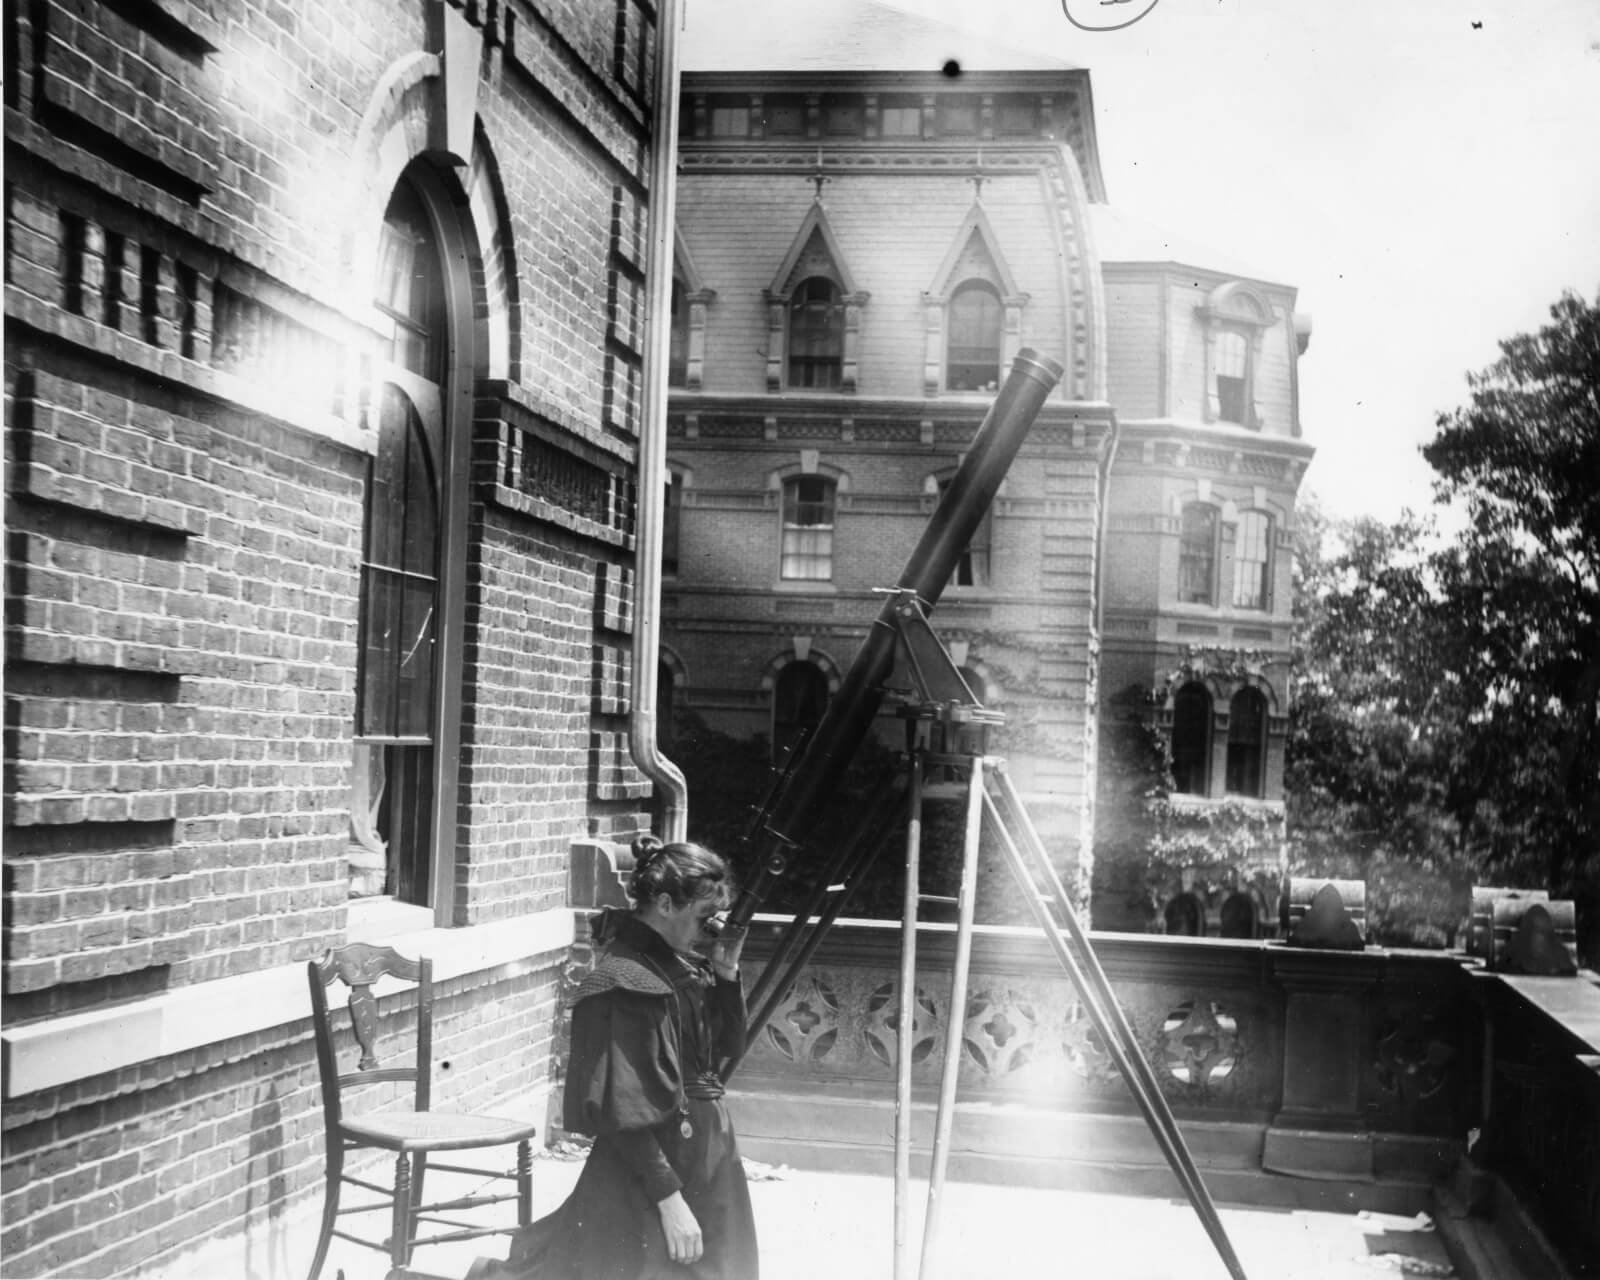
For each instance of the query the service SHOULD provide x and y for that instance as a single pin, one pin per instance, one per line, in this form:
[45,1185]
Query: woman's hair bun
[646,847]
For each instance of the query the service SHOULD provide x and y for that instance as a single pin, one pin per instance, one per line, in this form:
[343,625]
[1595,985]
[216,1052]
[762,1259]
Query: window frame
[439,387]
[1246,755]
[787,731]
[1261,600]
[975,287]
[832,330]
[1195,757]
[1188,557]
[795,534]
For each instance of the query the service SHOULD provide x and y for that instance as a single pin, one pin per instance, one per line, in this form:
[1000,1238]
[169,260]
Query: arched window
[807,529]
[972,356]
[1185,916]
[1238,916]
[1247,734]
[1252,562]
[816,334]
[394,833]
[1191,740]
[1197,554]
[799,697]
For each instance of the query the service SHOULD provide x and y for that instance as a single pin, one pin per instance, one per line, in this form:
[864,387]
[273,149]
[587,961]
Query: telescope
[810,781]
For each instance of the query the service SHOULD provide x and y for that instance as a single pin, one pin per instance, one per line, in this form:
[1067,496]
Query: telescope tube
[850,713]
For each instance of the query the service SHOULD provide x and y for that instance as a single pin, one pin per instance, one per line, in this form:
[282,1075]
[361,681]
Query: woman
[663,1194]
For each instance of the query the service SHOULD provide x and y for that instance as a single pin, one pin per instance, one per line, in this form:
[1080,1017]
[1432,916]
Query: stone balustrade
[1374,1069]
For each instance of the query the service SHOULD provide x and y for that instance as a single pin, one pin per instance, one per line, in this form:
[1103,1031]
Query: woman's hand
[725,952]
[681,1229]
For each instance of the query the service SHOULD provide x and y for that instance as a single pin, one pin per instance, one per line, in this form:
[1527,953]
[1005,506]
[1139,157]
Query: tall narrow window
[1252,561]
[1247,732]
[1197,554]
[1233,377]
[678,350]
[816,335]
[799,698]
[972,360]
[671,520]
[972,568]
[392,805]
[807,528]
[1191,740]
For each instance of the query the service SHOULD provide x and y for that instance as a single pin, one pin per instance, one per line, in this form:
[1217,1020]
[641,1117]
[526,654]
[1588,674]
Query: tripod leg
[956,1019]
[905,1031]
[871,833]
[1106,1015]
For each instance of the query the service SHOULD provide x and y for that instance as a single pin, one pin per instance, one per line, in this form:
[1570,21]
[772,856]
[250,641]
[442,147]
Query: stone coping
[58,1051]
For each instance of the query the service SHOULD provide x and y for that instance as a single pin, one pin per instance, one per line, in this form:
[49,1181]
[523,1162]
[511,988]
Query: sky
[1426,174]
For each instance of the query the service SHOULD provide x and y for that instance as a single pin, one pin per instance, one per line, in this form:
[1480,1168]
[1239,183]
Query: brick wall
[192,202]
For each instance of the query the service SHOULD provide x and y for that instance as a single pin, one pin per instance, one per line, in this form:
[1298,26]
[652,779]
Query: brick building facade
[323,356]
[861,250]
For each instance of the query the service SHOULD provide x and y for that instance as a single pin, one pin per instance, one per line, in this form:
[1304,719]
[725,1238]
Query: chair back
[359,967]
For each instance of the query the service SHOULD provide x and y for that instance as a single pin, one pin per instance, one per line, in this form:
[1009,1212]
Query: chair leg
[419,1171]
[400,1232]
[330,1205]
[524,1184]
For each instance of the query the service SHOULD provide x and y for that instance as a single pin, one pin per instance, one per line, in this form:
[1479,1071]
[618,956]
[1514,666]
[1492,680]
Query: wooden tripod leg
[956,1019]
[905,1029]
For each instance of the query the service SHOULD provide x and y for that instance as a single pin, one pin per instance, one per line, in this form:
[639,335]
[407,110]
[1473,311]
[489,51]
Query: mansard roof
[1121,237]
[841,36]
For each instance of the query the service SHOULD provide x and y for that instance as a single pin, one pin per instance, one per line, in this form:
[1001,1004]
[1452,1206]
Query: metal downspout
[642,742]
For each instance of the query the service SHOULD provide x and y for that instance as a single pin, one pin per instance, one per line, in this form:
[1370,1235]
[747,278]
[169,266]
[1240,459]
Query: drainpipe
[667,777]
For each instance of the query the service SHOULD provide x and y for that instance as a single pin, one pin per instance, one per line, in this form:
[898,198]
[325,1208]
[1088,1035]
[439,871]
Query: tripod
[946,731]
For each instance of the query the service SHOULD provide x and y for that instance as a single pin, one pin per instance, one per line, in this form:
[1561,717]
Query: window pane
[1252,561]
[785,120]
[406,820]
[816,335]
[411,285]
[380,624]
[1247,715]
[678,354]
[972,569]
[799,699]
[1191,740]
[1232,373]
[973,354]
[1197,554]
[807,551]
[730,122]
[414,660]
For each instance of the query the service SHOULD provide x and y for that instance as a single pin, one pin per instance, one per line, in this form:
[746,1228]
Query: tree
[1447,693]
[1523,460]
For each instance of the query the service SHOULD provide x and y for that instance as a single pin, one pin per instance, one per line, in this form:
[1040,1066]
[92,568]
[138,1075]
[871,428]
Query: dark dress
[648,1028]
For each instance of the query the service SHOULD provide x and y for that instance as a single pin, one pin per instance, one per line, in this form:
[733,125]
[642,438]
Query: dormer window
[1232,377]
[972,360]
[1236,316]
[816,335]
[813,313]
[972,313]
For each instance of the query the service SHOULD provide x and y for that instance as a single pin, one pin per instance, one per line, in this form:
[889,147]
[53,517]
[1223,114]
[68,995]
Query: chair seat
[435,1130]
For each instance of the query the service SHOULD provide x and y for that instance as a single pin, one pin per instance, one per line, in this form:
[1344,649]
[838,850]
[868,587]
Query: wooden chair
[412,1133]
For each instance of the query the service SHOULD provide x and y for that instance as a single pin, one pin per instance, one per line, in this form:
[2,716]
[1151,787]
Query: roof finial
[978,178]
[818,177]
